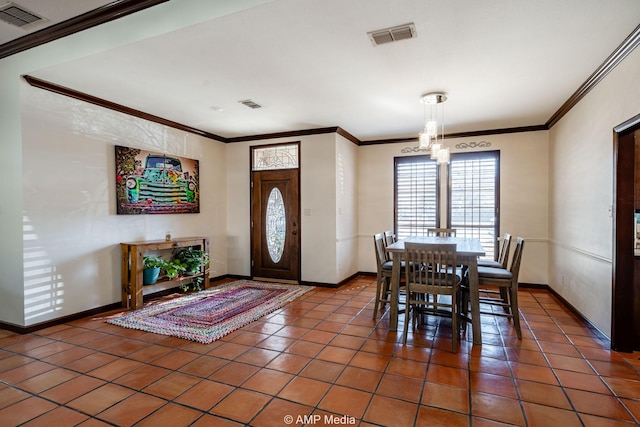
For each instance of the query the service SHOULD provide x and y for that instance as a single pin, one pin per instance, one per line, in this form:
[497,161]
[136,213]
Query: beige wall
[581,195]
[524,190]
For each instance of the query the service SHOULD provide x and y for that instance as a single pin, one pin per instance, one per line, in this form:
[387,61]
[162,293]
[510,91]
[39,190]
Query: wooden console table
[132,267]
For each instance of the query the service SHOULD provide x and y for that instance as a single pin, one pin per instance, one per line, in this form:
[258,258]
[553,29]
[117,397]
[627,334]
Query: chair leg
[376,306]
[454,322]
[515,313]
[407,315]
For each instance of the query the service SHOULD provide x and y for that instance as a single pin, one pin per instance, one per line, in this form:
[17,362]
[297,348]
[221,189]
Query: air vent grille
[18,16]
[249,103]
[393,34]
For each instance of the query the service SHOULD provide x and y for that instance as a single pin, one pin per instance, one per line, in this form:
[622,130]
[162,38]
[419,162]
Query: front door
[275,234]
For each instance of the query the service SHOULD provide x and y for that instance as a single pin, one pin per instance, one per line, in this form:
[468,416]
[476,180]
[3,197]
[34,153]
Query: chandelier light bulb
[432,128]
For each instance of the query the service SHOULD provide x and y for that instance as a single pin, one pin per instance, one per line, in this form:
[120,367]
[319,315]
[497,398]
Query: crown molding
[106,13]
[72,93]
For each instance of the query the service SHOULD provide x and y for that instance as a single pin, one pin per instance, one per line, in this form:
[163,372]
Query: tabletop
[465,246]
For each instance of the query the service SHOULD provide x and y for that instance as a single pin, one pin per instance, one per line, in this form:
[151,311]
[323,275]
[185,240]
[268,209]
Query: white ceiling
[310,64]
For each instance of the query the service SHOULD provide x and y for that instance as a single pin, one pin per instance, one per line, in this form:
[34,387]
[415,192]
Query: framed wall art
[153,183]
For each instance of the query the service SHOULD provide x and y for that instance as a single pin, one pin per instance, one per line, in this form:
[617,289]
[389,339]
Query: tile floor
[321,360]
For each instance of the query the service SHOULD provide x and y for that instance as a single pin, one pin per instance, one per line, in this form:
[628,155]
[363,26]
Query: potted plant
[192,259]
[173,268]
[151,269]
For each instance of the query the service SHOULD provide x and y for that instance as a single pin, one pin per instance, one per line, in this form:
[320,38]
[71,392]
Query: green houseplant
[192,259]
[151,269]
[173,268]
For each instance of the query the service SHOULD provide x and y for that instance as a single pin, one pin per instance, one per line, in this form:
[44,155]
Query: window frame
[478,155]
[415,159]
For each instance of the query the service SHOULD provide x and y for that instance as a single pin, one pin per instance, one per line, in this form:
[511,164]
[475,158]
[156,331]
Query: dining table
[468,250]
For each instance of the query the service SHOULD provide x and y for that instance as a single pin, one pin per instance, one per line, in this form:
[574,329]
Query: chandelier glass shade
[430,139]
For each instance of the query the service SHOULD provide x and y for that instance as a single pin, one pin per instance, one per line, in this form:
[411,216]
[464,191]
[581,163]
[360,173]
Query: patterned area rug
[208,315]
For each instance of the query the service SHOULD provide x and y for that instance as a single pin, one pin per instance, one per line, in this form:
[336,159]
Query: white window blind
[416,201]
[474,197]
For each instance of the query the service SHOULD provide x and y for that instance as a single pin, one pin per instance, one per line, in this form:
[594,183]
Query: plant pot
[150,275]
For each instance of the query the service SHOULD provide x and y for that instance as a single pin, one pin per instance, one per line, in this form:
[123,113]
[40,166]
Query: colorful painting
[153,183]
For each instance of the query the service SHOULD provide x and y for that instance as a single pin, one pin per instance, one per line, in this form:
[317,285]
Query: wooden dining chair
[441,232]
[490,278]
[503,255]
[432,271]
[383,278]
[389,237]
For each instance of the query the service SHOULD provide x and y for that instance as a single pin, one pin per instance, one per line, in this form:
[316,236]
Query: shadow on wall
[43,285]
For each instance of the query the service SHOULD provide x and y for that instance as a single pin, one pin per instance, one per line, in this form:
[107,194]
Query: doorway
[625,310]
[275,214]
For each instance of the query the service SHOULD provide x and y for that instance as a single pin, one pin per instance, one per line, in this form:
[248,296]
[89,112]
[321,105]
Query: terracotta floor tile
[497,408]
[306,391]
[446,397]
[171,414]
[276,343]
[598,404]
[543,394]
[336,354]
[91,362]
[361,379]
[68,356]
[541,374]
[24,372]
[291,363]
[25,410]
[131,410]
[447,358]
[208,420]
[345,401]
[347,341]
[58,417]
[633,406]
[322,371]
[175,359]
[101,398]
[125,347]
[268,381]
[273,415]
[257,356]
[616,370]
[10,395]
[115,369]
[489,365]
[234,373]
[408,368]
[580,381]
[373,361]
[171,386]
[448,376]
[398,387]
[391,412]
[493,384]
[46,380]
[204,395]
[545,416]
[203,366]
[595,421]
[241,405]
[526,356]
[305,348]
[141,377]
[576,364]
[292,332]
[623,387]
[249,338]
[150,353]
[72,389]
[428,416]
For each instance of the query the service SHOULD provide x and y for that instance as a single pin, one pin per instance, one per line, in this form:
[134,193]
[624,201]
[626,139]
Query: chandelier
[430,139]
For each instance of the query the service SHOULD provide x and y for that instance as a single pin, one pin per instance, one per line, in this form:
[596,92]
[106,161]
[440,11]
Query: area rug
[208,315]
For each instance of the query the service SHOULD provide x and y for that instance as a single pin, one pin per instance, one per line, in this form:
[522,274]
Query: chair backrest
[430,263]
[389,237]
[503,256]
[441,232]
[381,255]
[517,257]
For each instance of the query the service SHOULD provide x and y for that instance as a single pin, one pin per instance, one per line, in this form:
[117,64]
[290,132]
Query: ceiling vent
[393,34]
[249,103]
[17,15]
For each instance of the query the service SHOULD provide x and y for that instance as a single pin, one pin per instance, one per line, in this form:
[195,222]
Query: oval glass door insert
[276,225]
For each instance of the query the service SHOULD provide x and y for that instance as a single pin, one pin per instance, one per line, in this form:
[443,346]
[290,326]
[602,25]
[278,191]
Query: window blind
[473,199]
[416,201]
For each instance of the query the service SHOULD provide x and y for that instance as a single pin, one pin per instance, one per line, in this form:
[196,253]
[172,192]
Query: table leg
[395,291]
[474,295]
